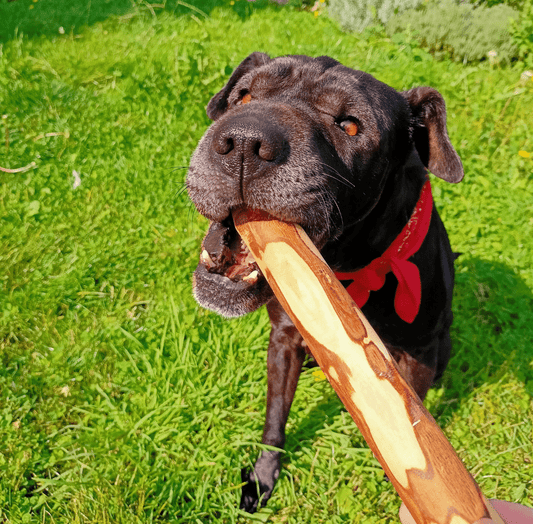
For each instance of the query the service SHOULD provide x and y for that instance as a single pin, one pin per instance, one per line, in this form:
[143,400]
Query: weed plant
[120,399]
[522,33]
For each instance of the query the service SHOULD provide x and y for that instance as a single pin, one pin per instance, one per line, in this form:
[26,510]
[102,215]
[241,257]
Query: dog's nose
[250,141]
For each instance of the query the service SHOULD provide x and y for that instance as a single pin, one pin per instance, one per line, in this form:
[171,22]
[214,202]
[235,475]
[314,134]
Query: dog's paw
[254,495]
[259,482]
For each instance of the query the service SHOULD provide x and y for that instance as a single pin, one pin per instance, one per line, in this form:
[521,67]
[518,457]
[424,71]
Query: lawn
[122,401]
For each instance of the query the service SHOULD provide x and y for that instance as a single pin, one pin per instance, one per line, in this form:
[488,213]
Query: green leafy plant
[355,15]
[460,31]
[516,4]
[521,30]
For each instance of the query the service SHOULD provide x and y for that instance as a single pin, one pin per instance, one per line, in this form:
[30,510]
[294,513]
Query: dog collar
[407,243]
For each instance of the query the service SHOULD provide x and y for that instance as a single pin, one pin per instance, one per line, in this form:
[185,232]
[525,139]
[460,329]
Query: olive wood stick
[418,459]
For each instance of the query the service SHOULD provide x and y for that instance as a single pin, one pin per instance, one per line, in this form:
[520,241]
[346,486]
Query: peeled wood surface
[420,462]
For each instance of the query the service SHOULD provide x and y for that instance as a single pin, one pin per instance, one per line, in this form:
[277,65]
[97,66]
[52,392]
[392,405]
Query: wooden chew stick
[420,462]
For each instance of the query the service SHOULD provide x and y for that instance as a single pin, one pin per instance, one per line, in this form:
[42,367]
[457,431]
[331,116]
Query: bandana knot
[372,277]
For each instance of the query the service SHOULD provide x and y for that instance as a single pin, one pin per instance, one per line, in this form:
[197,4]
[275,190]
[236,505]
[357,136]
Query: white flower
[65,391]
[526,75]
[77,179]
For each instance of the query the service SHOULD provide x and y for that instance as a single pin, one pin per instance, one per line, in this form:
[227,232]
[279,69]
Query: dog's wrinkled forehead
[324,84]
[288,73]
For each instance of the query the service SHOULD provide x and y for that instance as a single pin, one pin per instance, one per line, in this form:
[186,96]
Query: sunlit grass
[120,399]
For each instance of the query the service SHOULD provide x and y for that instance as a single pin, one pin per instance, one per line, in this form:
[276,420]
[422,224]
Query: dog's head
[309,141]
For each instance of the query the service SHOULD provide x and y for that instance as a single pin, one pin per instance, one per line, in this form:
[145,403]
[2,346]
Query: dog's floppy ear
[219,103]
[430,134]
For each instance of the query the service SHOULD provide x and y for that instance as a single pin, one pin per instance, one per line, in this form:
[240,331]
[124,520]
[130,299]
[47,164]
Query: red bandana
[395,259]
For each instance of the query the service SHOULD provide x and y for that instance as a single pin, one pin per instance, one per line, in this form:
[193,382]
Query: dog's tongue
[224,252]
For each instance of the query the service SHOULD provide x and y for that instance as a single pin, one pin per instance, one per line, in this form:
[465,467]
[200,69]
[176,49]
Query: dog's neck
[368,239]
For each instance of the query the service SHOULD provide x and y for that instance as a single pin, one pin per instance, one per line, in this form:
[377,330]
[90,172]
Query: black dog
[345,156]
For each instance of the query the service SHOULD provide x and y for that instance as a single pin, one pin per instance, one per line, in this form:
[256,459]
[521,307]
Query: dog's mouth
[228,279]
[225,253]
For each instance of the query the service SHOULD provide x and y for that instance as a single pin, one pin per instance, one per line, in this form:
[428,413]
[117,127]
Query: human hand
[510,512]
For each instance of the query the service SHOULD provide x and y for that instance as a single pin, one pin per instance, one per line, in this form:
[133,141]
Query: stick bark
[418,459]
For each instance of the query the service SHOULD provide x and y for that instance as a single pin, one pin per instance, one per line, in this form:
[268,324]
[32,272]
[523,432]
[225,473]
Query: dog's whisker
[341,181]
[336,175]
[176,168]
[190,212]
[334,200]
[328,209]
[181,190]
[325,211]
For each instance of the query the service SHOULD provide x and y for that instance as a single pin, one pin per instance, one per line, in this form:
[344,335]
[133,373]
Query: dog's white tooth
[205,258]
[252,277]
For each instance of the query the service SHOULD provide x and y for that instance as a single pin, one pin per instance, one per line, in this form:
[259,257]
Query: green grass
[120,399]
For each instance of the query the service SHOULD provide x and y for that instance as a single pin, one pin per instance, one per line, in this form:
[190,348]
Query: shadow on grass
[492,337]
[46,17]
[492,332]
[313,422]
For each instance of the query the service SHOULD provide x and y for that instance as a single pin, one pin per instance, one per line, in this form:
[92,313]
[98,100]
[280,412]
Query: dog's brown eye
[349,127]
[245,99]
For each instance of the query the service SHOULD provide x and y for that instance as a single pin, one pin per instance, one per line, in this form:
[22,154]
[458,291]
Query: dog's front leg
[286,354]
